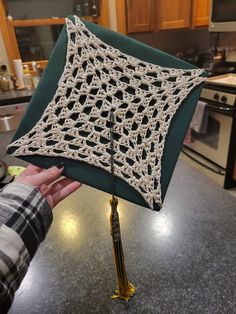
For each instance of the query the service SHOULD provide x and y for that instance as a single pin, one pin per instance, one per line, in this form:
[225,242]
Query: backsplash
[228,40]
[173,41]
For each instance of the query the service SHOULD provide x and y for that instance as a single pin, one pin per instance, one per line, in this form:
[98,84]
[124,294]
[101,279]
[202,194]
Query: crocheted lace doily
[96,78]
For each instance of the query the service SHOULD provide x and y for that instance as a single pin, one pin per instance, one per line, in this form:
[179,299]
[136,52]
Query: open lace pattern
[96,78]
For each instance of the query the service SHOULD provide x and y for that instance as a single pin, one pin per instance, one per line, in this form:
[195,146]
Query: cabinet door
[201,12]
[174,14]
[140,15]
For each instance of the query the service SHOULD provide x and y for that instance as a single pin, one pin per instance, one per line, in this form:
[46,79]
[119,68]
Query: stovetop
[226,80]
[220,89]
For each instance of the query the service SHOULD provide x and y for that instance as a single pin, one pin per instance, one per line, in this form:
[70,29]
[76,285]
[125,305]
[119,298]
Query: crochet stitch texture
[96,79]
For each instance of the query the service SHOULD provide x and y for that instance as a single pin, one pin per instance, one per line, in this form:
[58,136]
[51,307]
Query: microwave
[223,16]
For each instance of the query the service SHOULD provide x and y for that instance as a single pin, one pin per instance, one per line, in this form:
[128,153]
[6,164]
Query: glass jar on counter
[28,79]
[4,78]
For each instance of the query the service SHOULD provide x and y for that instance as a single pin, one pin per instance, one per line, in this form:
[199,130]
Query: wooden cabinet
[141,15]
[174,14]
[200,12]
[12,27]
[135,16]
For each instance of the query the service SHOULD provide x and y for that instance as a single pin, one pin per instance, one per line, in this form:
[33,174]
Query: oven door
[214,144]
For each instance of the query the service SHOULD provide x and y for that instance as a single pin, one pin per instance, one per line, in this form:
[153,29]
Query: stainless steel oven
[214,144]
[217,144]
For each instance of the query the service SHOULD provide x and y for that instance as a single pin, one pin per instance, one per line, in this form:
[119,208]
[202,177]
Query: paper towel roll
[19,73]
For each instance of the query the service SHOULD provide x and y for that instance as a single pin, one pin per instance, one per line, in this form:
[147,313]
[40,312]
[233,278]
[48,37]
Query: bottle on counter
[86,8]
[95,8]
[40,70]
[4,78]
[19,74]
[0,75]
[14,80]
[28,79]
[35,75]
[78,9]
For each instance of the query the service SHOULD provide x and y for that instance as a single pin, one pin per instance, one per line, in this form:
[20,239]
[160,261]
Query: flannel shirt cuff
[14,262]
[25,210]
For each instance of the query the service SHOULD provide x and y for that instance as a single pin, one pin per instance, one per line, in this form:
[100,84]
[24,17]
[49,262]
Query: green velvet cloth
[92,175]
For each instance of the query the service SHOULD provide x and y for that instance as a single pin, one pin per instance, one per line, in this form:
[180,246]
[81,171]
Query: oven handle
[205,163]
[221,109]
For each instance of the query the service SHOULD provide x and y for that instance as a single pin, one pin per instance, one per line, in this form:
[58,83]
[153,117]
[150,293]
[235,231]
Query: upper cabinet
[152,15]
[201,12]
[174,14]
[141,15]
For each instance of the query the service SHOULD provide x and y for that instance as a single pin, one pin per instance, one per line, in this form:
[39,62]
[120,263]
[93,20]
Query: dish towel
[200,118]
[199,121]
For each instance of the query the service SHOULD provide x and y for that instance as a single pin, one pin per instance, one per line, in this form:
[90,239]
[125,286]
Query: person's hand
[44,181]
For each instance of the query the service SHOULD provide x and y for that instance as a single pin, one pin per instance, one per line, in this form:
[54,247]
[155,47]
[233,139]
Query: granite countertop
[181,260]
[15,96]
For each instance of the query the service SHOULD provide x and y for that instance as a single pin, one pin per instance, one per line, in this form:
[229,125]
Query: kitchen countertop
[15,96]
[181,260]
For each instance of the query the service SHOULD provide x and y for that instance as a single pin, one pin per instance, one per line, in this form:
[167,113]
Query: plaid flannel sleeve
[25,217]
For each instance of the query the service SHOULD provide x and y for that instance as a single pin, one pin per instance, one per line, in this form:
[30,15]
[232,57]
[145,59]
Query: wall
[201,40]
[173,41]
[229,40]
[3,53]
[25,9]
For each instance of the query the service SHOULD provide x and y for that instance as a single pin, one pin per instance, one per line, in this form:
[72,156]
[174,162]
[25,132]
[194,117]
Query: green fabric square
[84,172]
